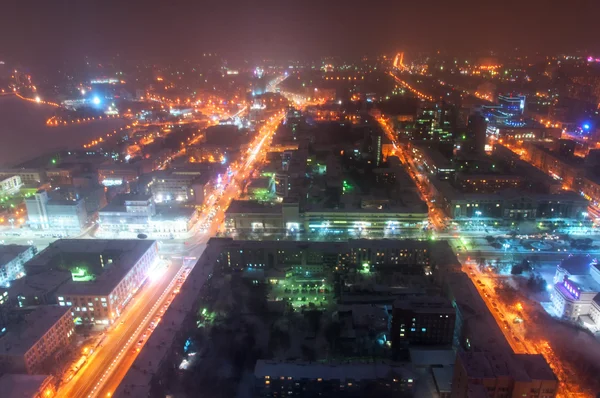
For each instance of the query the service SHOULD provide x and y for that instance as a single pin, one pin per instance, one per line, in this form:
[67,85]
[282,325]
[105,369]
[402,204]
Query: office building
[10,185]
[32,340]
[176,186]
[104,274]
[37,287]
[65,217]
[512,105]
[131,214]
[424,321]
[30,177]
[381,379]
[12,258]
[111,174]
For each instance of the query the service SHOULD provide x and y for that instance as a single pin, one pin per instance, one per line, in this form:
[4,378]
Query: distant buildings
[35,338]
[12,258]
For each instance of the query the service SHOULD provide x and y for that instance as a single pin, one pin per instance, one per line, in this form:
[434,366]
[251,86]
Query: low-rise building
[32,341]
[68,217]
[486,364]
[423,320]
[12,258]
[31,177]
[104,274]
[130,215]
[177,186]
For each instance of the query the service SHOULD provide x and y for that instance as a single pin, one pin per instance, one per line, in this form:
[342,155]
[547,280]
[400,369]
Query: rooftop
[425,304]
[577,265]
[32,285]
[23,335]
[124,253]
[22,385]
[536,366]
[252,206]
[332,370]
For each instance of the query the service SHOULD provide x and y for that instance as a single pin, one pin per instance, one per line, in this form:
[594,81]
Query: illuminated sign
[572,288]
[112,182]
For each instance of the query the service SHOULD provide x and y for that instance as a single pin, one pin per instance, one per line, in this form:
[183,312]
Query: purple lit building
[576,292]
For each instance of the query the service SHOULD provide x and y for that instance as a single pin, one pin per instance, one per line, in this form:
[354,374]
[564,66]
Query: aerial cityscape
[308,200]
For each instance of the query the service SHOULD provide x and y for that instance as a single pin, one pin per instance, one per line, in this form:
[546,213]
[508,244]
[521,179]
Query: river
[24,134]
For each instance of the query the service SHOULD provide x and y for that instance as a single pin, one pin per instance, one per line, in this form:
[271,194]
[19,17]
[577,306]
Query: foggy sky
[60,28]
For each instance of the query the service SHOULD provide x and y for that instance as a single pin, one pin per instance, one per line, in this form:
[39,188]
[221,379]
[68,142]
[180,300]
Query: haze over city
[267,199]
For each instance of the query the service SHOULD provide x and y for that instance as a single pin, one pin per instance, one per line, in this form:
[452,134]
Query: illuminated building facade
[113,270]
[512,105]
[12,258]
[62,216]
[10,185]
[132,214]
[576,291]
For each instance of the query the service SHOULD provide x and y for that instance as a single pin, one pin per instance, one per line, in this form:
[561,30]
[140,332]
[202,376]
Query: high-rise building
[512,105]
[476,134]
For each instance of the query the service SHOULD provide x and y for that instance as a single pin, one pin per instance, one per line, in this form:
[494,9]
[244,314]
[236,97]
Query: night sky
[55,29]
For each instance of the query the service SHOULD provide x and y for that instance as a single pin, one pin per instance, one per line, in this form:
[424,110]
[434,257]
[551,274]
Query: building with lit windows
[175,186]
[289,378]
[424,321]
[368,254]
[104,274]
[31,177]
[128,215]
[32,340]
[66,217]
[10,185]
[12,258]
[512,105]
[576,292]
